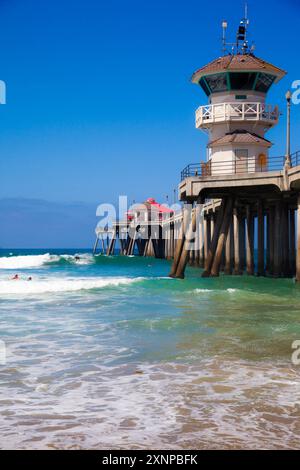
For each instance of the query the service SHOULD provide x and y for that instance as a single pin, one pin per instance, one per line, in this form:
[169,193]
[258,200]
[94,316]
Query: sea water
[108,352]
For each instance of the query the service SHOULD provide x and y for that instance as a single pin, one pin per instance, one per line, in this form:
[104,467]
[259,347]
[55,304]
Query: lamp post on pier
[175,195]
[288,162]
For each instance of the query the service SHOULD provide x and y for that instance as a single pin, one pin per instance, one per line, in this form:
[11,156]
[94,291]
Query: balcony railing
[295,159]
[223,112]
[237,166]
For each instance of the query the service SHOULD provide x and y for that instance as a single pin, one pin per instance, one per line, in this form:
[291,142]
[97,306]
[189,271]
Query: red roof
[159,207]
[240,137]
[238,62]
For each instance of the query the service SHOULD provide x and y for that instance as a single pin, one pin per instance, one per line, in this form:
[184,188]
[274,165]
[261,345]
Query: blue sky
[99,101]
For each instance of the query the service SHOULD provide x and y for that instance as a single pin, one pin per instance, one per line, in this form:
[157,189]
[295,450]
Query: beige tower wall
[230,97]
[223,159]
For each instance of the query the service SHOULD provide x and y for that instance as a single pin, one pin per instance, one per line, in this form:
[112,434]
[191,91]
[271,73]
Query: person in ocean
[16,277]
[77,258]
[29,278]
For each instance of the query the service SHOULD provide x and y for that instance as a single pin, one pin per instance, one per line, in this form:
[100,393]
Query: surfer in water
[16,277]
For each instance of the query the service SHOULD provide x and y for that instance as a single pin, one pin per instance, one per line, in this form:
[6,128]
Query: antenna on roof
[224,27]
[241,44]
[241,38]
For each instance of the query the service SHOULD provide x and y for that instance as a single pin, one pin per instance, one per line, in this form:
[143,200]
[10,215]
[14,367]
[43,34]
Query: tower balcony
[236,112]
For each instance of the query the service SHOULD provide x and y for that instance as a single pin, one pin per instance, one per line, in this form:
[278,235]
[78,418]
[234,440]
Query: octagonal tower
[237,116]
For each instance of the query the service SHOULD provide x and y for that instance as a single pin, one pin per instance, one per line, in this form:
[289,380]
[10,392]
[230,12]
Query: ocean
[110,353]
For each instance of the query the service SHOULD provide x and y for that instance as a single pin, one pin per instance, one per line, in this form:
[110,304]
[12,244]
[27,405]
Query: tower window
[217,82]
[204,86]
[242,80]
[264,81]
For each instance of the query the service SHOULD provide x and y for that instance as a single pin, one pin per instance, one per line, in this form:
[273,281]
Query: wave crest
[62,285]
[35,261]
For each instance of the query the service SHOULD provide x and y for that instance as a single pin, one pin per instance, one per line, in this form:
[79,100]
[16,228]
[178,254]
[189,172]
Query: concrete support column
[267,242]
[236,242]
[185,253]
[242,243]
[249,242]
[191,252]
[277,241]
[209,224]
[212,225]
[292,250]
[170,242]
[166,243]
[196,247]
[180,241]
[192,242]
[191,257]
[205,237]
[165,240]
[95,246]
[198,235]
[121,242]
[176,235]
[212,249]
[228,250]
[201,243]
[271,225]
[102,244]
[171,233]
[222,238]
[151,248]
[260,240]
[285,240]
[223,259]
[298,241]
[173,239]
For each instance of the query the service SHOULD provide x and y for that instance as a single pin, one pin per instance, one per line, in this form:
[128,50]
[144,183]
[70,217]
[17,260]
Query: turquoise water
[108,352]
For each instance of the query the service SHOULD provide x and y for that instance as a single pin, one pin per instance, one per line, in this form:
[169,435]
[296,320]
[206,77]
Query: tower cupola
[237,115]
[237,73]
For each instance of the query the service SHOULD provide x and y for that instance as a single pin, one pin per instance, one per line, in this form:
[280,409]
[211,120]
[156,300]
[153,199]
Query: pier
[218,235]
[259,194]
[240,206]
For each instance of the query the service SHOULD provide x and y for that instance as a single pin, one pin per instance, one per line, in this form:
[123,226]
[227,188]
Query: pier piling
[298,241]
[260,239]
[215,270]
[219,237]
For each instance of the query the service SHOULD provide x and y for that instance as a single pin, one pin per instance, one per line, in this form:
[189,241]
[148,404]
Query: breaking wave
[62,284]
[35,261]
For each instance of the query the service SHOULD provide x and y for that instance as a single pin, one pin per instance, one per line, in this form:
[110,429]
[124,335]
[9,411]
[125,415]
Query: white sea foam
[35,261]
[200,291]
[57,284]
[216,403]
[28,261]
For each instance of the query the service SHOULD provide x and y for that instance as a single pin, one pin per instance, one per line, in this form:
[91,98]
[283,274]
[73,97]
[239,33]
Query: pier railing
[295,159]
[237,166]
[220,112]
